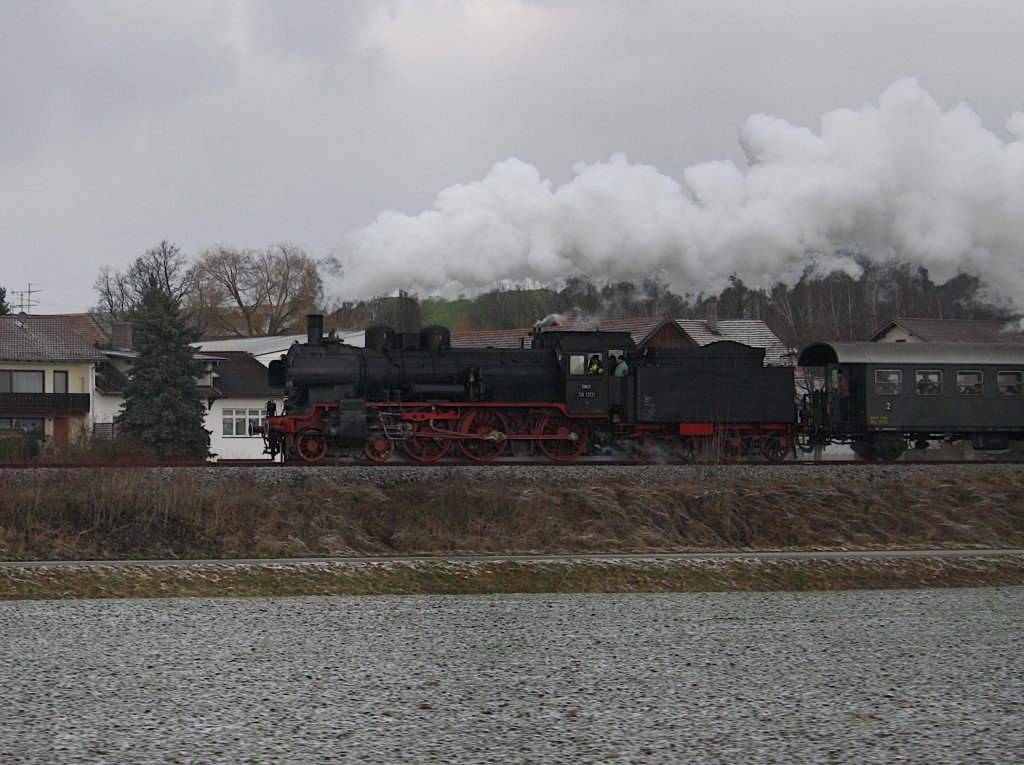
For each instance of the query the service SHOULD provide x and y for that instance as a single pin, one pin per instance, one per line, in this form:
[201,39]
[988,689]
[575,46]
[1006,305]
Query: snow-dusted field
[931,676]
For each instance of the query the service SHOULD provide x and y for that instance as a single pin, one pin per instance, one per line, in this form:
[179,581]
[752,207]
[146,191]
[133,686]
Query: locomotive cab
[586,358]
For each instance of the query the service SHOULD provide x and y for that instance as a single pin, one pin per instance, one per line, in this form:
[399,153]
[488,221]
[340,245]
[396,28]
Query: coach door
[586,382]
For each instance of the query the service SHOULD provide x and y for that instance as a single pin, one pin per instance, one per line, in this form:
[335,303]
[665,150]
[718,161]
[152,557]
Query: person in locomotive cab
[595,367]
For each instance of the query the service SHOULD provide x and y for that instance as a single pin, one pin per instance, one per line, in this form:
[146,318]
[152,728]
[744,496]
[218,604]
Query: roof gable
[752,332]
[955,330]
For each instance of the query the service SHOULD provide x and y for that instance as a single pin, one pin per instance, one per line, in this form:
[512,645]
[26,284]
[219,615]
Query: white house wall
[235,447]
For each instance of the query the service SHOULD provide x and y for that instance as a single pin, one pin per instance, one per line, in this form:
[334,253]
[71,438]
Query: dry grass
[464,578]
[139,514]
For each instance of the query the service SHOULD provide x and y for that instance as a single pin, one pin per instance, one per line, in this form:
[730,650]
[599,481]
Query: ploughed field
[929,676]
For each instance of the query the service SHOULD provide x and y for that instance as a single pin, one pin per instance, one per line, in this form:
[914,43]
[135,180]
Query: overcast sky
[440,145]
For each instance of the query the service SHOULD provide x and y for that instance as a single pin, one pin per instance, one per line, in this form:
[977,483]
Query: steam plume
[902,179]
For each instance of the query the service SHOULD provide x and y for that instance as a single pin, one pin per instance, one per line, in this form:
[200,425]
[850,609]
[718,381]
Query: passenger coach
[879,396]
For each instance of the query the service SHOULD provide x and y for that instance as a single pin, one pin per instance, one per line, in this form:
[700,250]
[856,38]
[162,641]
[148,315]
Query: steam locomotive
[569,394]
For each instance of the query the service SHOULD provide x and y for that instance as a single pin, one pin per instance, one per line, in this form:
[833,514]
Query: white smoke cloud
[901,179]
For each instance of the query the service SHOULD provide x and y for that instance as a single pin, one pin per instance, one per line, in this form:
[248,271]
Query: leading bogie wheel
[379,448]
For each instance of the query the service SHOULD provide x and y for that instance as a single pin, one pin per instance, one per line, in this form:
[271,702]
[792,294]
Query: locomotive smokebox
[314,329]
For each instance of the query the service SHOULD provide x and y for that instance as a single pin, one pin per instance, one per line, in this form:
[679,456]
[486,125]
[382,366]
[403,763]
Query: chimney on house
[713,317]
[121,335]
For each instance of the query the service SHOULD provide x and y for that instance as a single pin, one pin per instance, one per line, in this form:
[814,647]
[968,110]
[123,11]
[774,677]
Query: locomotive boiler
[568,394]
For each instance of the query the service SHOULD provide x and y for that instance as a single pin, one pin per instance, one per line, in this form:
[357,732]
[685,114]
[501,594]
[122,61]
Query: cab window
[577,364]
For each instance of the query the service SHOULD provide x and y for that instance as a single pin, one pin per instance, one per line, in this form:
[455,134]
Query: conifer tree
[163,409]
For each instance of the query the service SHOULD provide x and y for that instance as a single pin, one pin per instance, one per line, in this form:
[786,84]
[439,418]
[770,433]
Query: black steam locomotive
[570,393]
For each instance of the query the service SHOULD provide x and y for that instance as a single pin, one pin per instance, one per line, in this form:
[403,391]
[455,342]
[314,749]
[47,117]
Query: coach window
[968,382]
[577,364]
[928,382]
[1009,383]
[888,382]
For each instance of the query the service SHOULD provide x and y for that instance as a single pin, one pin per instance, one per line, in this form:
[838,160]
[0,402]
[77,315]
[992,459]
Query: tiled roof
[752,332]
[85,325]
[239,375]
[957,330]
[639,329]
[493,338]
[40,339]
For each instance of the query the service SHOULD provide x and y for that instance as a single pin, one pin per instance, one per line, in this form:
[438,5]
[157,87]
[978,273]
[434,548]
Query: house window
[928,382]
[888,382]
[238,422]
[60,382]
[1009,383]
[969,382]
[30,424]
[21,381]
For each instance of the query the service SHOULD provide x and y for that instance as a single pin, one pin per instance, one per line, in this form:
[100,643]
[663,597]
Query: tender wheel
[378,448]
[311,445]
[560,438]
[729,446]
[492,429]
[776,446]
[685,451]
[425,446]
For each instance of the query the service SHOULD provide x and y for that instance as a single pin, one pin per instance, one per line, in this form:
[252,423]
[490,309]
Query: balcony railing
[43,404]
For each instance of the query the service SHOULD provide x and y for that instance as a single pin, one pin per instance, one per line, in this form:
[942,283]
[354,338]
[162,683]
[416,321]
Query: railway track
[764,555]
[808,464]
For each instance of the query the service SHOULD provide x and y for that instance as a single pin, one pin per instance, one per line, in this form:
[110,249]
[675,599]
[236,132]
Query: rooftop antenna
[24,298]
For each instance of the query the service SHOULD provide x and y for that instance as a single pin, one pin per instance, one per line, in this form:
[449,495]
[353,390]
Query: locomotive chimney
[314,328]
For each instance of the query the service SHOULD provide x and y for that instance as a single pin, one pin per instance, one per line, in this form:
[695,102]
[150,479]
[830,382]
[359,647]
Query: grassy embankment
[136,514]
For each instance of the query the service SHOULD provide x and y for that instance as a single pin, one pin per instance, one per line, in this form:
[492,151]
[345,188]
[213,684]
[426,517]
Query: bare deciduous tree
[254,292]
[162,266]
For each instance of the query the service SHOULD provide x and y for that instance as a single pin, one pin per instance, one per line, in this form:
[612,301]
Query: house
[267,349]
[647,332]
[949,331]
[233,385]
[47,375]
[237,403]
[752,332]
[657,331]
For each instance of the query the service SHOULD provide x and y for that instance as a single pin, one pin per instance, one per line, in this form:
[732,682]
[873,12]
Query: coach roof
[822,354]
